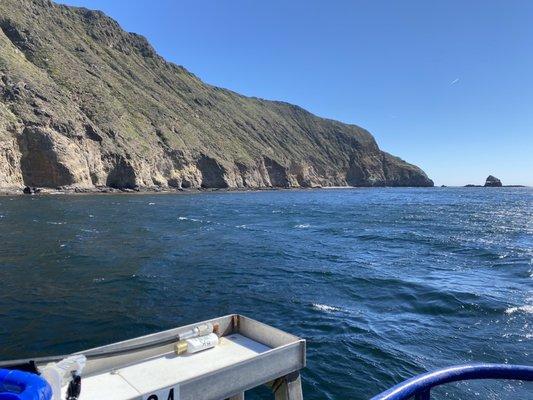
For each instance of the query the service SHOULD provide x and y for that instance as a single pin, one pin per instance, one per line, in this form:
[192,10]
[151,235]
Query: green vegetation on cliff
[85,104]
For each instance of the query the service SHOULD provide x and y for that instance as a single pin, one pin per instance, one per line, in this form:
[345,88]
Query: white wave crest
[528,309]
[325,307]
[302,226]
[189,219]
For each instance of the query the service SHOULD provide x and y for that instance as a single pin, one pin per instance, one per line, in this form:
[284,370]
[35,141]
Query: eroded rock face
[122,174]
[213,173]
[48,159]
[10,171]
[84,104]
[277,173]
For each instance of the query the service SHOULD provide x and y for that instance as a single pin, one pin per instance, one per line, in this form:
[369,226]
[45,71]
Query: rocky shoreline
[103,190]
[34,191]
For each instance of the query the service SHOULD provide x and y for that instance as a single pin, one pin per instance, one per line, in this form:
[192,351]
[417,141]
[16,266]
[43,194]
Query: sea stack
[492,181]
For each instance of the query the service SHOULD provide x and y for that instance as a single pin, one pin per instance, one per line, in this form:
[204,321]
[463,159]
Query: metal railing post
[288,387]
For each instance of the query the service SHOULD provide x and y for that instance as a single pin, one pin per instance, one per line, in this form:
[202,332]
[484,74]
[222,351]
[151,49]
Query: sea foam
[528,309]
[325,307]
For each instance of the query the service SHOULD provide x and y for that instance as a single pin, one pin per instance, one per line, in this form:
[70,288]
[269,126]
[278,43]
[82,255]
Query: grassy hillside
[84,103]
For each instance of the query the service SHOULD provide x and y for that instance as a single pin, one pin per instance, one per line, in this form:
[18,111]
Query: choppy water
[383,283]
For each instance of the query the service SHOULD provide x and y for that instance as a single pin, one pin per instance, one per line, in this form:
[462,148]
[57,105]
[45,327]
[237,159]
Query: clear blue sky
[447,85]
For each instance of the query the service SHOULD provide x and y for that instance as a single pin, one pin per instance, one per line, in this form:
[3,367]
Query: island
[492,181]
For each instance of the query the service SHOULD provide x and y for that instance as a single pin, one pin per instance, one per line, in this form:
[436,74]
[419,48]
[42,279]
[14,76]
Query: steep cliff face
[85,104]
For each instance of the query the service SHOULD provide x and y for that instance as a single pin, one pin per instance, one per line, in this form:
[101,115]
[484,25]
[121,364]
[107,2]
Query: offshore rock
[31,190]
[85,105]
[492,181]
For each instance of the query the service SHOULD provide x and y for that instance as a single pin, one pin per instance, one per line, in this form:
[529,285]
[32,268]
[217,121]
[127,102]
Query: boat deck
[145,379]
[249,354]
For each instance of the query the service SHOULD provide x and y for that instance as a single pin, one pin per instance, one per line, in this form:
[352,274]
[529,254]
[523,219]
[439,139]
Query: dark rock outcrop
[213,173]
[84,105]
[31,190]
[492,181]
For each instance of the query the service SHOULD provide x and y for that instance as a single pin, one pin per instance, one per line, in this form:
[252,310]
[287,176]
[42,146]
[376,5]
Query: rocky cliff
[85,104]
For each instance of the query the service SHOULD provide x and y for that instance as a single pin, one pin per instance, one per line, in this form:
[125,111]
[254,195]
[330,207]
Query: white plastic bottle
[57,374]
[200,330]
[196,344]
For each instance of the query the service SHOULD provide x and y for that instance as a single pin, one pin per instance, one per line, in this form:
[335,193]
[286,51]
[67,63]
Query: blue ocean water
[383,283]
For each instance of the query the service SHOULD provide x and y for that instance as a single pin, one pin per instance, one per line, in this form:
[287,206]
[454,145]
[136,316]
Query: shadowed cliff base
[85,105]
